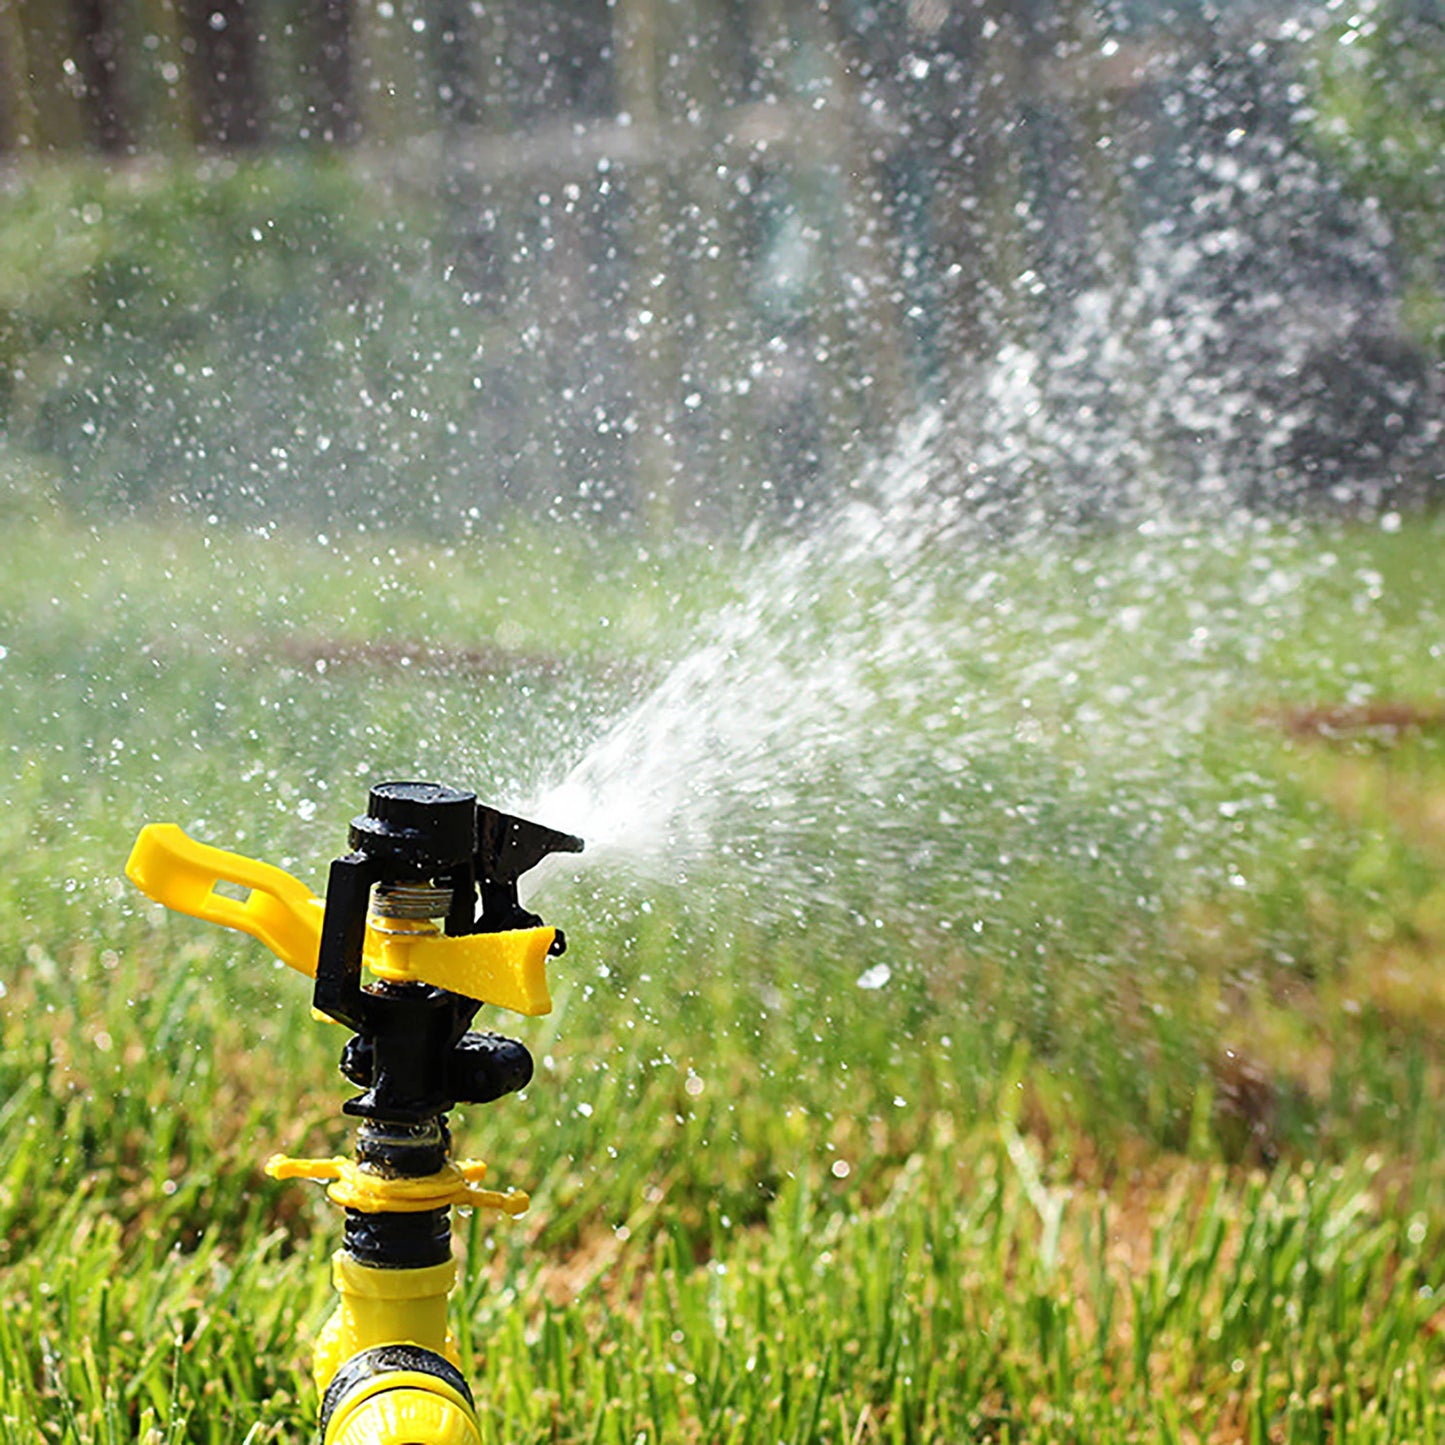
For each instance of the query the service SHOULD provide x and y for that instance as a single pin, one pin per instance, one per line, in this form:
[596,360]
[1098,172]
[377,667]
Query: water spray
[420,926]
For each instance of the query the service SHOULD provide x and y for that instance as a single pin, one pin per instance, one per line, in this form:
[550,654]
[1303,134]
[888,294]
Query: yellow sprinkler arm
[506,968]
[172,868]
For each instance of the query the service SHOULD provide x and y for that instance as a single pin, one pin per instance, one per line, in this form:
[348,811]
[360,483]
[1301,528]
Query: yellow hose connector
[405,1408]
[399,1396]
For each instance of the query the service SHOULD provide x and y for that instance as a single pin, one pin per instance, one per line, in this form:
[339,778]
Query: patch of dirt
[1381,721]
[487,661]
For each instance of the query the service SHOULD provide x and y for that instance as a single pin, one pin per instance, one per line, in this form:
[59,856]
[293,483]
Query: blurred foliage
[707,312]
[304,334]
[1380,98]
[236,334]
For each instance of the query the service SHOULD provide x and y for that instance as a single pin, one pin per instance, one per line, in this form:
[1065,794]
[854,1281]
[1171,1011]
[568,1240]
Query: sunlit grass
[1172,1175]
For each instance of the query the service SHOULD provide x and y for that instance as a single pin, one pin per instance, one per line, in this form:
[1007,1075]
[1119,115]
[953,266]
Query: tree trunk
[99,45]
[224,72]
[45,107]
[654,369]
[332,35]
[13,131]
[456,56]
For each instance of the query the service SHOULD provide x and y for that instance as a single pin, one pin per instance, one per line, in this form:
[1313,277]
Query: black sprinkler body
[424,851]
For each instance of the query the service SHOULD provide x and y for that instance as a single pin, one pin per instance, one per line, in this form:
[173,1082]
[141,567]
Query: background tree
[225,72]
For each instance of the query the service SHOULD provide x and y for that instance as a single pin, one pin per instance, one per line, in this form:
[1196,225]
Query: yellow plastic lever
[281,911]
[508,969]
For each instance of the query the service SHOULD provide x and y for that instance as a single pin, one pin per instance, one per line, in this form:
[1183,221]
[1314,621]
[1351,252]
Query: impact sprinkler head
[423,851]
[426,905]
[408,986]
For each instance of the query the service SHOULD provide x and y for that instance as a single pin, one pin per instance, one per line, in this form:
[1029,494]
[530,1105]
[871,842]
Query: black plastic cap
[484,1067]
[425,825]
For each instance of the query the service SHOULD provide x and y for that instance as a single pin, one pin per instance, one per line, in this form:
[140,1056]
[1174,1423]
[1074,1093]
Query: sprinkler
[420,926]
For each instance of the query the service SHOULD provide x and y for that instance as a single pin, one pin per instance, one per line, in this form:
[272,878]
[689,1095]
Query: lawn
[1153,1153]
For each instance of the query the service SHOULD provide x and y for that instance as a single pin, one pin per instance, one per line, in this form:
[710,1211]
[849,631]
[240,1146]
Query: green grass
[1165,1169]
